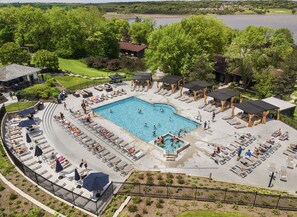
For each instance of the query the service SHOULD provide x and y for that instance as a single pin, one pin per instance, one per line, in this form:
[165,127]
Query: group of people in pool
[159,140]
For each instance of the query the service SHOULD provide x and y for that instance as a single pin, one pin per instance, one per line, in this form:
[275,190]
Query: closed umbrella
[38,152]
[28,140]
[77,177]
[59,168]
[96,181]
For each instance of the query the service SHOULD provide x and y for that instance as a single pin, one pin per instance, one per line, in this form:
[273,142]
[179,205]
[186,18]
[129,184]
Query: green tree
[264,81]
[202,69]
[8,24]
[139,31]
[10,52]
[46,59]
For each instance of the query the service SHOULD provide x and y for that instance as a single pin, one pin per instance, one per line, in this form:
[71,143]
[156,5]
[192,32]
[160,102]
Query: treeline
[74,33]
[175,7]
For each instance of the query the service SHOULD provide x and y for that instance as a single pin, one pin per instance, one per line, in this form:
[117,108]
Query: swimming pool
[160,118]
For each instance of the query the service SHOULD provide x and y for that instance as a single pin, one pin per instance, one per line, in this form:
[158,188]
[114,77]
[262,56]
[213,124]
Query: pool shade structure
[224,95]
[27,123]
[196,86]
[285,107]
[96,181]
[26,112]
[116,77]
[253,108]
[175,81]
[38,153]
[142,78]
[28,140]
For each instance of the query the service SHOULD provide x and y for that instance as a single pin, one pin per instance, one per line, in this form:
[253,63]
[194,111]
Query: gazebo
[142,77]
[173,80]
[224,95]
[253,108]
[116,78]
[195,86]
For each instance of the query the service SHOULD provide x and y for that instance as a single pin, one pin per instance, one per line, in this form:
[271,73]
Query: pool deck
[193,160]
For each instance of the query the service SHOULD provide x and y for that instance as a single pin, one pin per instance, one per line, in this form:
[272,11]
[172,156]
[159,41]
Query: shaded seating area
[141,79]
[256,111]
[224,96]
[197,88]
[116,78]
[171,82]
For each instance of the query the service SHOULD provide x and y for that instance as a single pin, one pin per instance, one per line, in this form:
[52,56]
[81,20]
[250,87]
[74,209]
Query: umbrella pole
[31,147]
[39,161]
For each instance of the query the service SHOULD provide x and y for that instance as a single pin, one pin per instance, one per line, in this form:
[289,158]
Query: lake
[241,21]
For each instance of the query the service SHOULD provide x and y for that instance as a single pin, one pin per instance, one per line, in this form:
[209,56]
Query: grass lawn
[74,83]
[80,68]
[19,106]
[205,213]
[279,11]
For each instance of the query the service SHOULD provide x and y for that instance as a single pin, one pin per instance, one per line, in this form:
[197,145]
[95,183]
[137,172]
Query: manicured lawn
[279,11]
[19,106]
[80,68]
[74,83]
[205,213]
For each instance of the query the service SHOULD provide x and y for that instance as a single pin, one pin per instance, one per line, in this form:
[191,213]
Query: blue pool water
[170,145]
[125,114]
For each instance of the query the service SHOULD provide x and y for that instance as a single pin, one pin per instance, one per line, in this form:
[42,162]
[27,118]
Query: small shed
[285,108]
[130,49]
[15,75]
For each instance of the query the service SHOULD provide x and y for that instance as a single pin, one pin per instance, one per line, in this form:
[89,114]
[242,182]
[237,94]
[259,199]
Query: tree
[202,69]
[8,24]
[10,52]
[46,59]
[139,31]
[264,82]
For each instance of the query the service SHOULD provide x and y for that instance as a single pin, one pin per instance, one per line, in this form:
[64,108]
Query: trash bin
[40,106]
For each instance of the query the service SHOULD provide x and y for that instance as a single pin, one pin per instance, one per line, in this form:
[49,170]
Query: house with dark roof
[14,76]
[133,50]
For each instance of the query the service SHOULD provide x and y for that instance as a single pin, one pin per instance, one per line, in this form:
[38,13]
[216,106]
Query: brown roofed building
[130,49]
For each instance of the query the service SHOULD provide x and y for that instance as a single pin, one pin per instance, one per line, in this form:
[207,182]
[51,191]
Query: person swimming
[155,127]
[110,110]
[154,133]
[161,110]
[145,124]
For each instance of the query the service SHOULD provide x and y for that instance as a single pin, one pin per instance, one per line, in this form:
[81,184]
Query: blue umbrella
[26,123]
[38,152]
[27,111]
[96,181]
[59,167]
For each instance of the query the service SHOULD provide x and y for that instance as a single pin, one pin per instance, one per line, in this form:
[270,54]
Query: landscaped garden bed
[19,106]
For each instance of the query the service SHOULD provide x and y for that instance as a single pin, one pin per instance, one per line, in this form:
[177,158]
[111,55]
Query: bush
[144,211]
[2,187]
[180,181]
[160,177]
[141,176]
[159,205]
[38,91]
[136,200]
[275,212]
[148,202]
[132,208]
[13,196]
[219,204]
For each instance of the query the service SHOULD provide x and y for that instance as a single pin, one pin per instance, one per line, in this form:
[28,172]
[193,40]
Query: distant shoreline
[110,15]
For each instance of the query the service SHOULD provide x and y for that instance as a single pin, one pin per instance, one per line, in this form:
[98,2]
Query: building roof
[223,94]
[254,107]
[283,105]
[131,47]
[142,76]
[197,85]
[171,79]
[13,71]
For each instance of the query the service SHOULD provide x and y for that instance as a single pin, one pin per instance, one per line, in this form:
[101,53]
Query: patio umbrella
[96,181]
[38,152]
[59,168]
[26,123]
[117,76]
[27,111]
[77,177]
[28,140]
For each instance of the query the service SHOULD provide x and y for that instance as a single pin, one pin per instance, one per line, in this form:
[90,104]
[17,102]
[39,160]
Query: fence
[209,194]
[88,204]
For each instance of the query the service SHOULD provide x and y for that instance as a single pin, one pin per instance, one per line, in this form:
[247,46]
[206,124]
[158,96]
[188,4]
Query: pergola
[173,80]
[256,107]
[142,77]
[224,95]
[195,86]
[116,77]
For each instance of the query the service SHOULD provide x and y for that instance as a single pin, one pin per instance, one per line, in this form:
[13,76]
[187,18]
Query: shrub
[132,208]
[144,211]
[219,204]
[161,182]
[148,202]
[275,212]
[180,181]
[38,91]
[160,177]
[169,176]
[150,181]
[141,176]
[159,205]
[2,187]
[136,200]
[206,205]
[235,206]
[13,196]
[161,201]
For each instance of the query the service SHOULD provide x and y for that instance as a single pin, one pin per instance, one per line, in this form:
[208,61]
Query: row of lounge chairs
[83,93]
[101,152]
[281,136]
[106,87]
[139,88]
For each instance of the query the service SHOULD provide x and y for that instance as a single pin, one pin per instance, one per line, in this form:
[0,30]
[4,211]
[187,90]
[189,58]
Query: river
[241,21]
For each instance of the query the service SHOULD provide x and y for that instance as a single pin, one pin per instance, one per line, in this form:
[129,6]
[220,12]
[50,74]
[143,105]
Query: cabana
[115,78]
[173,80]
[256,107]
[285,108]
[195,86]
[224,95]
[142,77]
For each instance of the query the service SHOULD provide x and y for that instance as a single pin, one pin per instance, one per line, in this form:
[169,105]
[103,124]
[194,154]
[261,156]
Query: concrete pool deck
[192,161]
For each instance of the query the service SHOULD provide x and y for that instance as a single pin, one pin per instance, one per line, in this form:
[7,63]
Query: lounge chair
[208,106]
[217,110]
[127,170]
[108,157]
[290,164]
[120,166]
[237,171]
[178,96]
[114,162]
[138,155]
[189,100]
[244,167]
[210,109]
[240,126]
[233,122]
[228,117]
[103,153]
[283,174]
